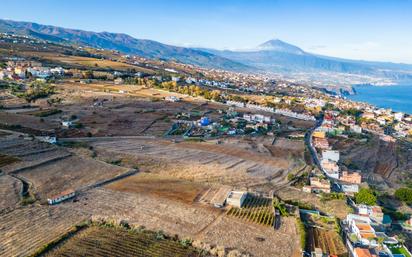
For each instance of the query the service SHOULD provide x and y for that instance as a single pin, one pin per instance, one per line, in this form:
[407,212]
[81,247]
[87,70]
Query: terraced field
[104,241]
[256,209]
[25,230]
[328,241]
[196,221]
[207,162]
[10,189]
[29,152]
[73,172]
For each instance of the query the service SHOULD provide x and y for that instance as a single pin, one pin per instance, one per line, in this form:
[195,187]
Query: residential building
[351,177]
[319,134]
[172,98]
[330,155]
[356,129]
[236,198]
[331,168]
[118,81]
[362,252]
[321,143]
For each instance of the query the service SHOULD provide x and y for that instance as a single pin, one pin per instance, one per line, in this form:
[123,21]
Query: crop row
[256,209]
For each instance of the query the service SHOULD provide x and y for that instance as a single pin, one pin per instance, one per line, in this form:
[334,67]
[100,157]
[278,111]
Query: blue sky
[362,29]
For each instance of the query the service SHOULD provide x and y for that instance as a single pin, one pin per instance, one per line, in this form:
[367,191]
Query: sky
[375,30]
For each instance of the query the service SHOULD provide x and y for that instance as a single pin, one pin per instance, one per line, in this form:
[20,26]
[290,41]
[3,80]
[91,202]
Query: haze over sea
[398,98]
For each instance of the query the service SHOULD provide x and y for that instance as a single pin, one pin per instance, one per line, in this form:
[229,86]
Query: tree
[365,196]
[404,194]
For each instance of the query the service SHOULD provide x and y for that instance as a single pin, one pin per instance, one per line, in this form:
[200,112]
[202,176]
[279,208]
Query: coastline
[395,97]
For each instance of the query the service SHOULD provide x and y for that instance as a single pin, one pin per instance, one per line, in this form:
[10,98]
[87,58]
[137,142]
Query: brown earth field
[10,189]
[161,186]
[73,172]
[235,162]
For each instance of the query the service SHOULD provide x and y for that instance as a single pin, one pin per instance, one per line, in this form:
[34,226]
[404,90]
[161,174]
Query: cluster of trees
[404,194]
[35,90]
[365,196]
[280,206]
[191,90]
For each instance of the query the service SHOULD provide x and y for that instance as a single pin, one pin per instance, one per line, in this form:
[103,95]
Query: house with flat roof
[236,198]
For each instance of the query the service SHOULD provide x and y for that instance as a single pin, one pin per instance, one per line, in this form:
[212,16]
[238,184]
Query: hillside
[121,42]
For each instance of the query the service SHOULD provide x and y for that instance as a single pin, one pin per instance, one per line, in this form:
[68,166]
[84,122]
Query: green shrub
[404,194]
[365,196]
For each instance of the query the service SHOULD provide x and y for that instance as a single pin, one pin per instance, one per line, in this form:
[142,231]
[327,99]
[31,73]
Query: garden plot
[255,209]
[321,233]
[10,189]
[73,172]
[25,230]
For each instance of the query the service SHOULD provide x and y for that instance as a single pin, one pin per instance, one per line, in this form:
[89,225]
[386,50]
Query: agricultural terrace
[240,163]
[84,61]
[76,171]
[322,232]
[256,209]
[25,230]
[10,189]
[196,221]
[96,241]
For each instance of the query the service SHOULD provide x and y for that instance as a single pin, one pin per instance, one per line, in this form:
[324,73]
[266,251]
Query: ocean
[398,98]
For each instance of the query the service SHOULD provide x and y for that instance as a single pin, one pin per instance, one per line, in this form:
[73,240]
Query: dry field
[29,153]
[195,221]
[25,230]
[160,186]
[27,121]
[10,189]
[85,61]
[237,163]
[121,114]
[73,172]
[101,241]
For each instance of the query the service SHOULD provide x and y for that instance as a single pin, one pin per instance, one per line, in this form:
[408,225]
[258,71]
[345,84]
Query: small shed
[236,198]
[61,197]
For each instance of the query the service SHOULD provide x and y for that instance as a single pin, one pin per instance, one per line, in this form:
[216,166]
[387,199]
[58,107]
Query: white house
[61,197]
[236,198]
[67,124]
[331,155]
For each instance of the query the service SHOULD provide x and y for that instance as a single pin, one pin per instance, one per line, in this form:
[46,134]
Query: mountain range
[272,56]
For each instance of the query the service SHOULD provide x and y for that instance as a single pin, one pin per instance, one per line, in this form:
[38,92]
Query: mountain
[278,56]
[121,42]
[280,46]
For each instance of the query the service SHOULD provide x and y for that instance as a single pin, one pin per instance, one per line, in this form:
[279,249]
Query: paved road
[309,143]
